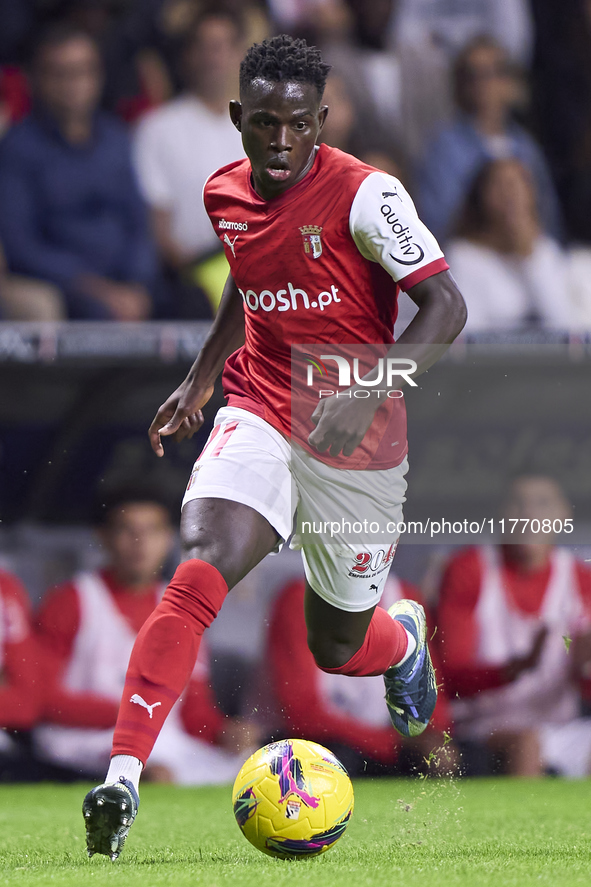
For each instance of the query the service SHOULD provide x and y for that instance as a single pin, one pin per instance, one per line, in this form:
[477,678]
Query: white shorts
[347,562]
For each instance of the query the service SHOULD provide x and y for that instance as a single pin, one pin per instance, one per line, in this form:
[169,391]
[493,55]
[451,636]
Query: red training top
[457,633]
[19,656]
[58,624]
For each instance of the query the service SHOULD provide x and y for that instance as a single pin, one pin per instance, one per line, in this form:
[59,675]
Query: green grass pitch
[407,832]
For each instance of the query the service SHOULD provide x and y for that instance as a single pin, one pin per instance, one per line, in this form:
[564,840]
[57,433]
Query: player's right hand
[179,416]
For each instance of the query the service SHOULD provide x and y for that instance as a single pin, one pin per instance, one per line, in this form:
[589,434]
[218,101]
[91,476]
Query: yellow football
[293,799]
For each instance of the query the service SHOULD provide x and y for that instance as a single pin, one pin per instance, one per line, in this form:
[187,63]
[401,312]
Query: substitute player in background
[315,257]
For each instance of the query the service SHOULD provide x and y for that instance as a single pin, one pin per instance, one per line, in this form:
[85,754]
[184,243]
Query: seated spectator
[399,92]
[316,19]
[451,25]
[19,690]
[142,49]
[22,298]
[179,145]
[349,715]
[70,209]
[506,617]
[87,629]
[339,128]
[135,75]
[511,274]
[487,90]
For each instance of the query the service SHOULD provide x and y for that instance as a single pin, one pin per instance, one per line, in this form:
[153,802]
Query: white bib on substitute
[98,665]
[545,693]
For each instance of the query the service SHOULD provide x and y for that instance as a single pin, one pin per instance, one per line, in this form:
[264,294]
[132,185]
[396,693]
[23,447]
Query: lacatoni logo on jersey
[410,253]
[291,298]
[312,241]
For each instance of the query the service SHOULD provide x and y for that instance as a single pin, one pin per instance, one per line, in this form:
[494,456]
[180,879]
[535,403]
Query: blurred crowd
[114,112]
[510,628]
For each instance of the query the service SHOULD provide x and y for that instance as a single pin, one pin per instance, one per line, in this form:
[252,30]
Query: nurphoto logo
[385,371]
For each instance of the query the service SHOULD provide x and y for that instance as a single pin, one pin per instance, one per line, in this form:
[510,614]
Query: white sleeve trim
[386,228]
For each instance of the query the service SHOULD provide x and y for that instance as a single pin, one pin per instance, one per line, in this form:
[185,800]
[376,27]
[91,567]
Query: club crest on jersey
[312,241]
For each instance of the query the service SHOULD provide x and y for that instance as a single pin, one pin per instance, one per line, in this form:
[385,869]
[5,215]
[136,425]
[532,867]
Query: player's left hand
[341,424]
[180,416]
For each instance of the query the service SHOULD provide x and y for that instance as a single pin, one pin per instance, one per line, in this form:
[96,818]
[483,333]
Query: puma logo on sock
[139,701]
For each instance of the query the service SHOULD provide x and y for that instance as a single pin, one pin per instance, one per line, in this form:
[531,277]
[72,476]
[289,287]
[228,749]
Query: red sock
[164,655]
[385,644]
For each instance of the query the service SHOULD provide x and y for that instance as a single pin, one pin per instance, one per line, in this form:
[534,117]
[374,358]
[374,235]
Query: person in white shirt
[181,143]
[512,275]
[451,25]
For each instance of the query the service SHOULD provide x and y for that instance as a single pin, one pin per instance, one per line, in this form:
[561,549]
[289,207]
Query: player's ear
[236,114]
[322,112]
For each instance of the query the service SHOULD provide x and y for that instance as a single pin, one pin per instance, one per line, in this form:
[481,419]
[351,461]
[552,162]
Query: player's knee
[329,652]
[199,544]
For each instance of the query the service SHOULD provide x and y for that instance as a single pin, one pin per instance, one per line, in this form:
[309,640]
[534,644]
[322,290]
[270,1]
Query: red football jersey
[320,264]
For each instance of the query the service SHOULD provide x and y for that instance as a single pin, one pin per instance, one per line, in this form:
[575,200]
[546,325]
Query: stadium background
[76,397]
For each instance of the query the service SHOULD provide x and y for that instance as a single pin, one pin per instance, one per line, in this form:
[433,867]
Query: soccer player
[317,243]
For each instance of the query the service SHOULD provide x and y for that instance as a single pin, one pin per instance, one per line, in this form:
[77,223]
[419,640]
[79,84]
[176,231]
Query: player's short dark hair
[284,58]
[134,492]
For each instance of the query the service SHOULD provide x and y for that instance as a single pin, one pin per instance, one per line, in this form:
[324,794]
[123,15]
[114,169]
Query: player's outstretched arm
[180,415]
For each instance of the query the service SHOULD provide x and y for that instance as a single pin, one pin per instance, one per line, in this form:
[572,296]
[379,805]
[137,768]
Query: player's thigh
[230,536]
[240,499]
[348,531]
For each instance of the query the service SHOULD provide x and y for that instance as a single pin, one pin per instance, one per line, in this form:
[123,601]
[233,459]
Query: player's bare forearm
[342,424]
[225,336]
[441,317]
[180,415]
